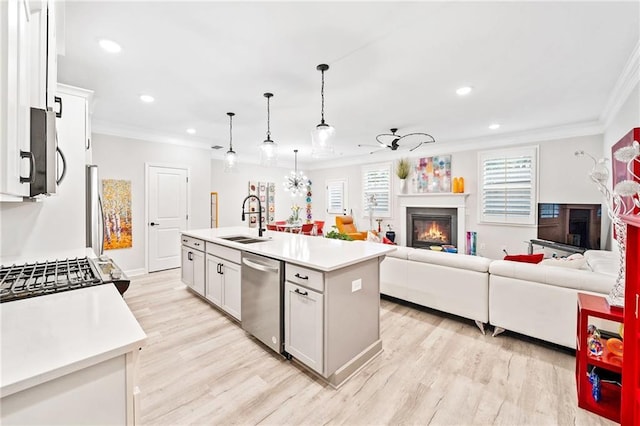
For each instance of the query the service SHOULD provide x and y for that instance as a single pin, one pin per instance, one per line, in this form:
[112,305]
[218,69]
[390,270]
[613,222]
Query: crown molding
[572,130]
[627,81]
[105,128]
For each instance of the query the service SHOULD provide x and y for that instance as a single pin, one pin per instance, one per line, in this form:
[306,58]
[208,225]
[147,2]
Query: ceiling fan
[392,141]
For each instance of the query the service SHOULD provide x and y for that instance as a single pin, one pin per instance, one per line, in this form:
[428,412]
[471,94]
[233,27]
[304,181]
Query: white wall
[122,158]
[232,188]
[562,178]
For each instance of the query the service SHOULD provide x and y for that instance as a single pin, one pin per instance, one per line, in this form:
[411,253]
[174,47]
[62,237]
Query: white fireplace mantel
[435,200]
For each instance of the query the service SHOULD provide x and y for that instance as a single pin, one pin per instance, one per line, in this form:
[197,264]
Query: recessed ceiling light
[146,98]
[110,45]
[464,90]
[494,126]
[191,131]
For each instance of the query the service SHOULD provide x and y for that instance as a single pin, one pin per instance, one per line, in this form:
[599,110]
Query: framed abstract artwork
[433,174]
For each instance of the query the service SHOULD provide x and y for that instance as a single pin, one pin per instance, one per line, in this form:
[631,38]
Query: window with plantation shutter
[508,186]
[336,198]
[376,181]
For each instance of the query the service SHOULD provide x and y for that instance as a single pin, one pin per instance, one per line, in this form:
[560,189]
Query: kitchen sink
[243,239]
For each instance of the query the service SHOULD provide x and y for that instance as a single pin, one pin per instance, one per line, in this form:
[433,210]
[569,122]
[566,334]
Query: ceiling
[532,65]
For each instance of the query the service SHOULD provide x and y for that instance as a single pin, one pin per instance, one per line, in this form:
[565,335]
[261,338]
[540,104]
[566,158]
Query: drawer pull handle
[302,277]
[185,241]
[302,293]
[197,244]
[190,256]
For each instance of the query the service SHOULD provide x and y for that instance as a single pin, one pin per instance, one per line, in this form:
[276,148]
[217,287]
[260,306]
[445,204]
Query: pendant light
[321,137]
[296,181]
[268,148]
[231,159]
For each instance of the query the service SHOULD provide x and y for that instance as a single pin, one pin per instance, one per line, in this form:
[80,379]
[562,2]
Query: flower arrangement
[295,214]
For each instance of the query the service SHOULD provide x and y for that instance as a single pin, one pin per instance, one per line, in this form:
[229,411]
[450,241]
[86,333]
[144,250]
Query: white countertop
[46,337]
[319,253]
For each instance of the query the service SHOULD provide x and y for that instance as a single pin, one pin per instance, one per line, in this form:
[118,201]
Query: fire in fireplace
[431,226]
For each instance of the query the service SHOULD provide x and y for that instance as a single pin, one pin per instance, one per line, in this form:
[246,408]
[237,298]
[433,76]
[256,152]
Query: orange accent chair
[345,226]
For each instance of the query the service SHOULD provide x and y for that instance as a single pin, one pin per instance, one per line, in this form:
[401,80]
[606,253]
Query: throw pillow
[526,258]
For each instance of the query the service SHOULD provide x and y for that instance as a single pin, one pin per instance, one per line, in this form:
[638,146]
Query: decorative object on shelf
[116,196]
[458,185]
[433,174]
[595,385]
[390,234]
[615,346]
[403,170]
[296,181]
[379,225]
[594,343]
[321,137]
[231,158]
[268,148]
[392,141]
[622,201]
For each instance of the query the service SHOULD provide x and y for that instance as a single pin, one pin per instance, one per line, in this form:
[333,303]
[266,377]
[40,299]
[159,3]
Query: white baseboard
[135,272]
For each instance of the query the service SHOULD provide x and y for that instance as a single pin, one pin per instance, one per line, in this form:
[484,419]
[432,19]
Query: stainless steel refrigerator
[94,212]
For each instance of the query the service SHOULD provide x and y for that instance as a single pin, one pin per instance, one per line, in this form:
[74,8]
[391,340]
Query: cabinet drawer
[194,243]
[227,253]
[305,277]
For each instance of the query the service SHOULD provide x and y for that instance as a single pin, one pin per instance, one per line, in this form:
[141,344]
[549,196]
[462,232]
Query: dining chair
[307,228]
[271,227]
[319,225]
[280,225]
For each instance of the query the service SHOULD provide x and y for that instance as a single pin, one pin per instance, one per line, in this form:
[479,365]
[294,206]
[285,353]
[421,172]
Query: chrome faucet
[250,213]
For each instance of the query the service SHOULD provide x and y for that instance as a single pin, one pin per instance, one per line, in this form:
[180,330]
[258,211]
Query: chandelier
[296,182]
[268,148]
[321,137]
[230,159]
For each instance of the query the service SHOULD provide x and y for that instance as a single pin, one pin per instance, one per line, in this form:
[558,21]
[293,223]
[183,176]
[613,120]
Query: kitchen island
[328,295]
[68,357]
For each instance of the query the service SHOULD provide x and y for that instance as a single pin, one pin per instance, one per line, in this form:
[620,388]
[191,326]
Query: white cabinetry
[304,325]
[193,268]
[43,57]
[223,279]
[15,165]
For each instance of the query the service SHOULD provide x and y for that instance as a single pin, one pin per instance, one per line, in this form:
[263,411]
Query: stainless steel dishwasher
[262,313]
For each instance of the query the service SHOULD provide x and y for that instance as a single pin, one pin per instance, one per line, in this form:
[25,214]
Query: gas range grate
[37,279]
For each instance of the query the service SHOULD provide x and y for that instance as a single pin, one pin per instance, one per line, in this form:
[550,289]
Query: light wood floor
[200,367]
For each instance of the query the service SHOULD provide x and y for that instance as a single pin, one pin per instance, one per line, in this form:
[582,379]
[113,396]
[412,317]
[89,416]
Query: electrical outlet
[356,285]
[482,246]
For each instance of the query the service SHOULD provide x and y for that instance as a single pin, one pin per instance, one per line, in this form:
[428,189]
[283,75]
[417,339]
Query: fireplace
[428,227]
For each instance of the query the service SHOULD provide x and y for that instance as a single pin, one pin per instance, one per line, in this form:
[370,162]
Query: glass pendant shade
[321,141]
[296,181]
[231,158]
[230,161]
[322,135]
[268,148]
[268,153]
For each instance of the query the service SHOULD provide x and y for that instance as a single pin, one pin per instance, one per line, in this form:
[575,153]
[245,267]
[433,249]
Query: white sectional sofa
[541,301]
[453,283]
[532,299]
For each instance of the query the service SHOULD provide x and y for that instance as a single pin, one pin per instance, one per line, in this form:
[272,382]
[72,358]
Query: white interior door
[167,206]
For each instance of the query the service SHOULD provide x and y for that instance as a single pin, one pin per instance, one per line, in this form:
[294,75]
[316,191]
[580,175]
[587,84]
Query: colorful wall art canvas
[116,199]
[433,174]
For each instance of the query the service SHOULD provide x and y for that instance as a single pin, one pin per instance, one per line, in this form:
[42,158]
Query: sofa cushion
[572,262]
[562,277]
[461,261]
[603,261]
[401,252]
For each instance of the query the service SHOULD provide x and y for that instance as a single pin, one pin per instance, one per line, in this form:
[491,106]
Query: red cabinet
[609,405]
[630,407]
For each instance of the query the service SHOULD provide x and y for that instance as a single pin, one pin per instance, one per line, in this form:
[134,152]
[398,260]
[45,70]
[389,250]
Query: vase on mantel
[403,186]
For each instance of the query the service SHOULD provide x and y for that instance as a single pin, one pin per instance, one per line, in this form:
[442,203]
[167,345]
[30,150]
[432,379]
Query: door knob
[154,224]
